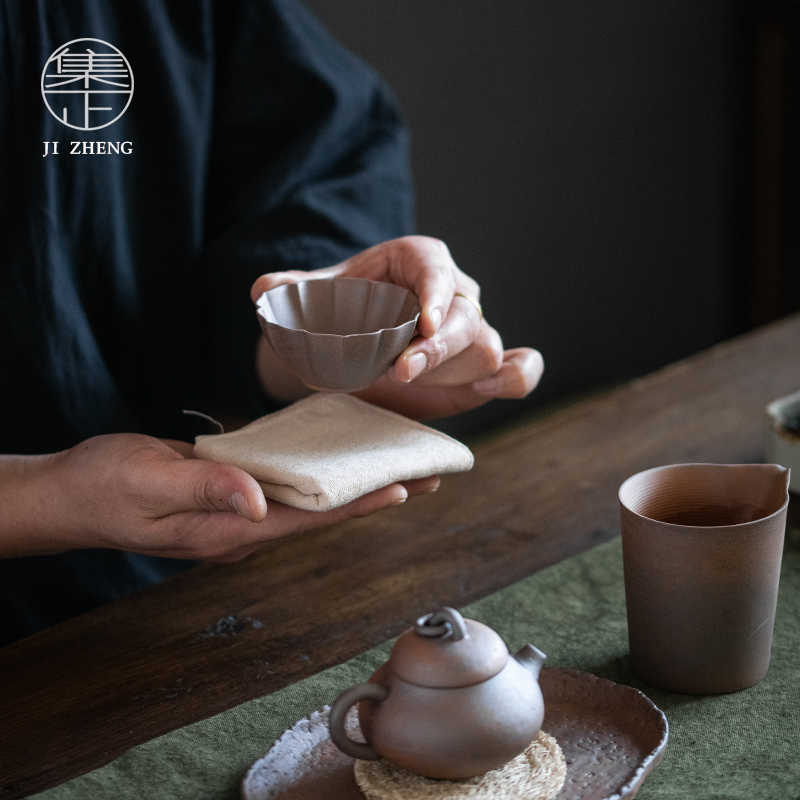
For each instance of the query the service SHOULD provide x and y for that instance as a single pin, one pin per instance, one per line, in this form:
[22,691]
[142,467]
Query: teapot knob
[444,622]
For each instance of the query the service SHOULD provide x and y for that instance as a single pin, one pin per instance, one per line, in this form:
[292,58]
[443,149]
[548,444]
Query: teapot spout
[531,658]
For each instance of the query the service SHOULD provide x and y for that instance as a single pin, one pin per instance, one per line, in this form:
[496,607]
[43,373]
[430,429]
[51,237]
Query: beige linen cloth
[329,449]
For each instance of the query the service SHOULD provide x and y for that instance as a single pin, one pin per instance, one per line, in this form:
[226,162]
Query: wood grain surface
[76,696]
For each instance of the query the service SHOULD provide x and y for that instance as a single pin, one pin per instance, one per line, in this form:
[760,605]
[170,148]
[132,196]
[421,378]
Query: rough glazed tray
[612,737]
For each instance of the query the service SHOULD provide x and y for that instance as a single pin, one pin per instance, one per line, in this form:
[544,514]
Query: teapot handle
[339,709]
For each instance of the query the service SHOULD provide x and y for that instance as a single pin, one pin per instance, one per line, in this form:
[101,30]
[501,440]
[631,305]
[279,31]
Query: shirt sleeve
[308,165]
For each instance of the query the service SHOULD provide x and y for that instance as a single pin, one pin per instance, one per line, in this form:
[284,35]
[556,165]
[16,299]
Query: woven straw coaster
[536,774]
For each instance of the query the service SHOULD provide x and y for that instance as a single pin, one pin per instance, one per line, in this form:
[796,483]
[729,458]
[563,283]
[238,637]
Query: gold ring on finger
[471,300]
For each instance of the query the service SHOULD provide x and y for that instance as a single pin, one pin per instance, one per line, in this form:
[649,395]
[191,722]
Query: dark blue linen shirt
[255,143]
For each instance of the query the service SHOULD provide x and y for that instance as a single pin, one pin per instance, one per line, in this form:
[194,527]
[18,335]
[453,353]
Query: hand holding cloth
[329,449]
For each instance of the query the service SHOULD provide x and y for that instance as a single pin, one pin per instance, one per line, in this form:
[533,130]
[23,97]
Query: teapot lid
[445,651]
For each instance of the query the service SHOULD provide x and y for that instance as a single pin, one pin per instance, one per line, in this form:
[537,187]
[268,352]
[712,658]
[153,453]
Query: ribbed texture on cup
[706,495]
[338,334]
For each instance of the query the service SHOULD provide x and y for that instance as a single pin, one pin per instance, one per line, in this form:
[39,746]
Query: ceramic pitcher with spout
[702,547]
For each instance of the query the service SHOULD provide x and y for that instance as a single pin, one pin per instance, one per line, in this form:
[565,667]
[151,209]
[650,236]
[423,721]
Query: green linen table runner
[742,745]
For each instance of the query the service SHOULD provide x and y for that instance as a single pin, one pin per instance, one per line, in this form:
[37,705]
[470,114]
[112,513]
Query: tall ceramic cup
[702,547]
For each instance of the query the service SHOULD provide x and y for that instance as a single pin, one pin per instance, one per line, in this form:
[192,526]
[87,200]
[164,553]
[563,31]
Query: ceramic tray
[612,737]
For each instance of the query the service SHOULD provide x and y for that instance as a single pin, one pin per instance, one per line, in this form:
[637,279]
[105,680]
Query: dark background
[596,167]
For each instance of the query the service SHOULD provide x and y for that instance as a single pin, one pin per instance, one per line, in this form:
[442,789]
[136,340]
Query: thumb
[274,279]
[199,485]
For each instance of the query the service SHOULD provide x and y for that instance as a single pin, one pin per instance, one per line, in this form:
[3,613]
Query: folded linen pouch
[329,449]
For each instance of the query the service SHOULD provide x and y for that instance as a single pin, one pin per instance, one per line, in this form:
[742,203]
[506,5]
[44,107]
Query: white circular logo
[87,84]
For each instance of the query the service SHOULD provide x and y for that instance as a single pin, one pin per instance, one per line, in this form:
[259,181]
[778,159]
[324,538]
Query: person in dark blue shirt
[253,145]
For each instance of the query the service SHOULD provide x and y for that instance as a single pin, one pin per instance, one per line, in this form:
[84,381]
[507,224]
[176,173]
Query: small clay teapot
[449,703]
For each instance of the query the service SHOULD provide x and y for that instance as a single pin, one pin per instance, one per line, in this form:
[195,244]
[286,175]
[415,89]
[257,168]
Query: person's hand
[457,361]
[135,493]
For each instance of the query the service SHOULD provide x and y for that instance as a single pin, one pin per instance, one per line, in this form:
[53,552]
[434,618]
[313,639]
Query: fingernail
[436,318]
[400,500]
[416,365]
[489,386]
[239,504]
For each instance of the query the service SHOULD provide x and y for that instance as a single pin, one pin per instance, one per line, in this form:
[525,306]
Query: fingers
[274,279]
[519,374]
[428,269]
[283,520]
[422,402]
[198,485]
[457,360]
[136,493]
[462,328]
[418,263]
[310,519]
[225,537]
[422,485]
[480,359]
[447,324]
[393,495]
[425,266]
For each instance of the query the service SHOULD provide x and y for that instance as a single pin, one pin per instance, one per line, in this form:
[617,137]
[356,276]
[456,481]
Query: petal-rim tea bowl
[338,334]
